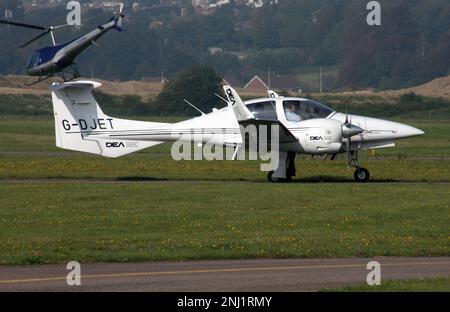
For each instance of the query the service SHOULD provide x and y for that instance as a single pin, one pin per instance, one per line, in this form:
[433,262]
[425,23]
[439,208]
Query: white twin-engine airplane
[305,127]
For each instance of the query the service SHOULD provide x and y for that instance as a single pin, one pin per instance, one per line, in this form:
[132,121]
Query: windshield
[263,110]
[35,59]
[297,110]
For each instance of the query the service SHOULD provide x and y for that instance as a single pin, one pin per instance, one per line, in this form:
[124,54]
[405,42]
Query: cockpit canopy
[297,110]
[263,110]
[35,60]
[294,109]
[44,55]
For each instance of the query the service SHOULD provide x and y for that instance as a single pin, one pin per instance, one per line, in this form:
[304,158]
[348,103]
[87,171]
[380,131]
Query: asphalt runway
[221,275]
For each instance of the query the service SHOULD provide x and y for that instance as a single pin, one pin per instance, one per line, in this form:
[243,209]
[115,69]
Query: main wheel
[362,175]
[272,179]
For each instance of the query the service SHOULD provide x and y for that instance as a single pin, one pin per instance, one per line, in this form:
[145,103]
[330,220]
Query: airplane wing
[285,136]
[246,118]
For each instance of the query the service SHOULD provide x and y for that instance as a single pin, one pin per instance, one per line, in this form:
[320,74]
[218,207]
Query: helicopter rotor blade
[23,25]
[59,26]
[35,38]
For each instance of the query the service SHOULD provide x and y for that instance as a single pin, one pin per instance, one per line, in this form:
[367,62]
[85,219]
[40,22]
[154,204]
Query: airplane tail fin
[81,125]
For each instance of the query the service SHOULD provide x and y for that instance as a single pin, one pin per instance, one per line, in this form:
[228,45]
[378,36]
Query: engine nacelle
[321,136]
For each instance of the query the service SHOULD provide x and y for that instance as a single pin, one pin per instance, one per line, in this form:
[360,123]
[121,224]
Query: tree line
[411,46]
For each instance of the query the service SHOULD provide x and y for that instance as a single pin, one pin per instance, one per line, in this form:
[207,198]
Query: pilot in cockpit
[293,112]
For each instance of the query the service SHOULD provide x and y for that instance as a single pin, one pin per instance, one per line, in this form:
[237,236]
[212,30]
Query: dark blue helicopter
[53,60]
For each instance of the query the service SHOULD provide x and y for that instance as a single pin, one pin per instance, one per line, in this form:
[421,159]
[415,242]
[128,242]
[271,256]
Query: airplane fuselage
[299,126]
[221,127]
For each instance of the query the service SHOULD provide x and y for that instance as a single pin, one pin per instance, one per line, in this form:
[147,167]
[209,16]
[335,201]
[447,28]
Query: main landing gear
[361,174]
[285,170]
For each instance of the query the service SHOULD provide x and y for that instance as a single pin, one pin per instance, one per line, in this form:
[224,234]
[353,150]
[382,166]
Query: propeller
[349,138]
[349,130]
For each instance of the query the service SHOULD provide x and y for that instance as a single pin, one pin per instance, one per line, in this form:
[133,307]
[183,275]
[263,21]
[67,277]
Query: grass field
[416,285]
[135,221]
[149,207]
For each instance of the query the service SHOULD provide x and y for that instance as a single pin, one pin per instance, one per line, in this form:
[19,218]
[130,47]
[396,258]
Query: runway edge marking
[137,274]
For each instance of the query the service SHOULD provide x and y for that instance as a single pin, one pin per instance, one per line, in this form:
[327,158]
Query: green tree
[197,85]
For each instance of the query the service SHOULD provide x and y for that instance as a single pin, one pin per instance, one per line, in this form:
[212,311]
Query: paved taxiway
[221,275]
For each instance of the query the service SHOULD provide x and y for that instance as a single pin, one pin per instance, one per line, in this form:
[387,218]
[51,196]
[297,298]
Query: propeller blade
[348,152]
[346,115]
[35,38]
[23,25]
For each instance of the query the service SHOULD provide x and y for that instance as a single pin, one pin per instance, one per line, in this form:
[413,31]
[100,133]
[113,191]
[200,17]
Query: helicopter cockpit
[35,59]
[44,55]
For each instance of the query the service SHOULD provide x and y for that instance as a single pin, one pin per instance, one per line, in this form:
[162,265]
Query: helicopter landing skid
[75,73]
[39,80]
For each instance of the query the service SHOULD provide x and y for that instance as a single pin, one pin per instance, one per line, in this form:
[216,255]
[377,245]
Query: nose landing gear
[361,174]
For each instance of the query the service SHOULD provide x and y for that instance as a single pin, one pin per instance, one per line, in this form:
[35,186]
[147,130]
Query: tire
[361,175]
[272,179]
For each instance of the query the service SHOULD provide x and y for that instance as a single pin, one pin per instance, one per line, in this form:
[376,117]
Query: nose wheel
[361,174]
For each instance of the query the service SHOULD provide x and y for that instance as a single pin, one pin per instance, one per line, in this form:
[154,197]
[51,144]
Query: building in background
[283,82]
[256,84]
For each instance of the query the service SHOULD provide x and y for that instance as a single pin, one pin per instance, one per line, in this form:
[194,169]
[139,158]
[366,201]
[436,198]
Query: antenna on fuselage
[218,95]
[192,105]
